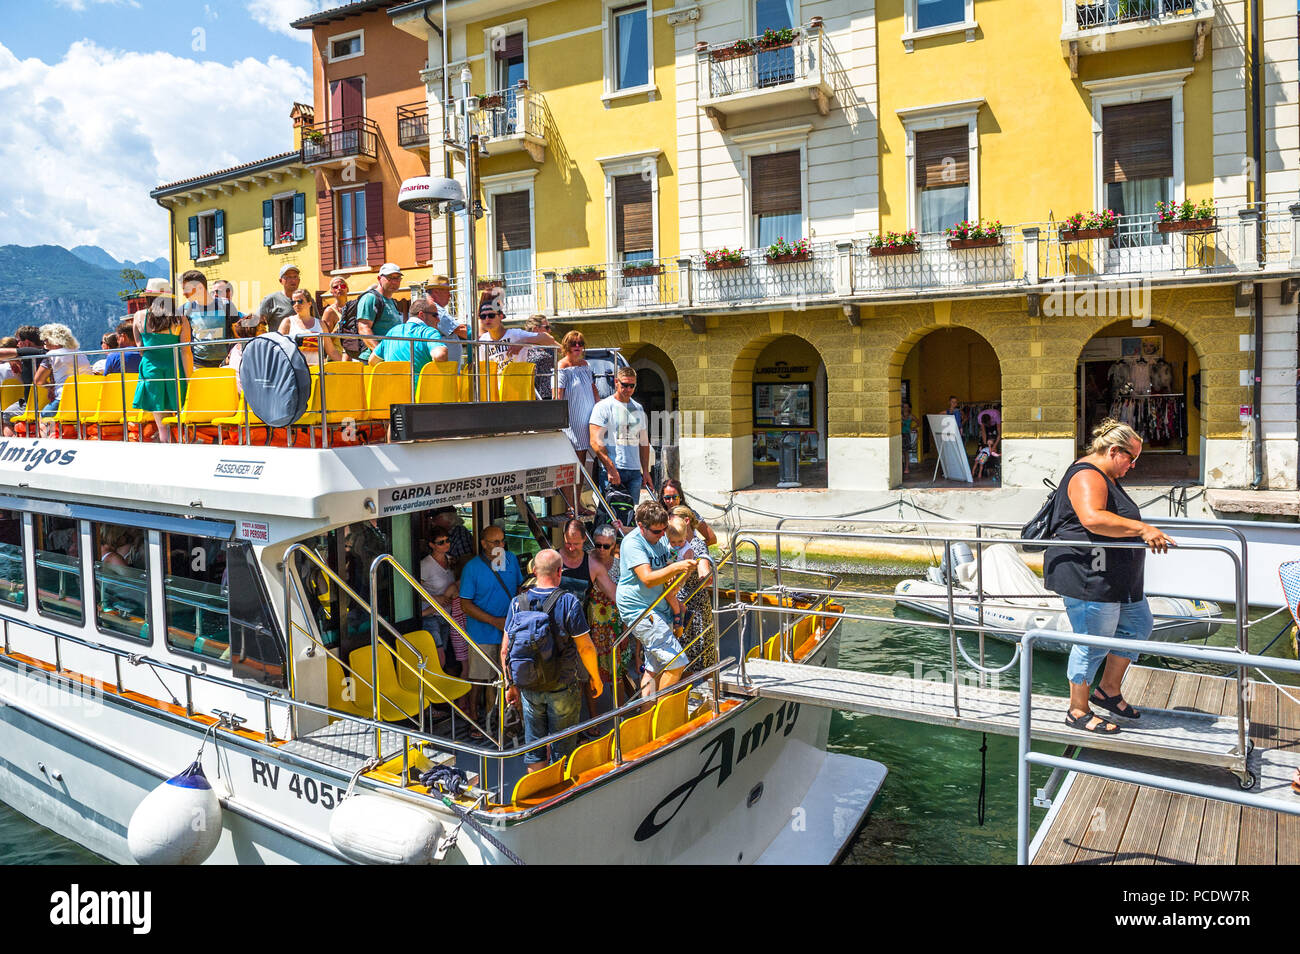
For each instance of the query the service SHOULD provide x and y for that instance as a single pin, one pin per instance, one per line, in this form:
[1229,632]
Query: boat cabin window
[121,575]
[13,571]
[217,606]
[58,568]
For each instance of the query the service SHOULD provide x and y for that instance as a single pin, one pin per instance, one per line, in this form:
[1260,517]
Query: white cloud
[80,5]
[87,138]
[276,15]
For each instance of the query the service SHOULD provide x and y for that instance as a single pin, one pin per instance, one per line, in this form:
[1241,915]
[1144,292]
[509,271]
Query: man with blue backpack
[546,645]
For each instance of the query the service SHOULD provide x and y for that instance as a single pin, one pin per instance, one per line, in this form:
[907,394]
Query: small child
[988,450]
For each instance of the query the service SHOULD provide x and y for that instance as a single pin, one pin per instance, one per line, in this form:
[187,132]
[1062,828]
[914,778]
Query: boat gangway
[1193,726]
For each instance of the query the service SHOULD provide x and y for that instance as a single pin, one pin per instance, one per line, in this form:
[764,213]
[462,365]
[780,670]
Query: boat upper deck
[287,491]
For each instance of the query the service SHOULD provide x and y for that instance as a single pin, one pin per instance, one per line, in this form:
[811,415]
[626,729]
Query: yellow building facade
[844,124]
[243,224]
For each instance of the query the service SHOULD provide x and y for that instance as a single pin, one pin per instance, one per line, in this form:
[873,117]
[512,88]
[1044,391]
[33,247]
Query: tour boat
[1015,599]
[191,633]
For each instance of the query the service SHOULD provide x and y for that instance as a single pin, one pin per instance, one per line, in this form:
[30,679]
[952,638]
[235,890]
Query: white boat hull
[1010,622]
[79,763]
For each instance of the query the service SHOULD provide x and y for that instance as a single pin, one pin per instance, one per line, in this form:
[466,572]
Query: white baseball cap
[284,269]
[388,268]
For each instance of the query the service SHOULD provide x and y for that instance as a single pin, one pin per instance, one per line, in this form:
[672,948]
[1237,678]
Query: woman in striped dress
[578,386]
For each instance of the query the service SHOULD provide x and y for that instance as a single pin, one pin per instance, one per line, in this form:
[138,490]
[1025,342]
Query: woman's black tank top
[1096,574]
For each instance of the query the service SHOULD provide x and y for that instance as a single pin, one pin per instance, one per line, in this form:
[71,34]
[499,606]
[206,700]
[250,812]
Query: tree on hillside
[135,279]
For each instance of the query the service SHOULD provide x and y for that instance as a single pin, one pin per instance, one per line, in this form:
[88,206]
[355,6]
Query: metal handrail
[1238,562]
[428,598]
[288,618]
[1026,756]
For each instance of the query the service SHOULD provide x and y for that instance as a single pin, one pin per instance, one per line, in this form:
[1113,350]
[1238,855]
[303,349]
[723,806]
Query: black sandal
[1081,722]
[1113,703]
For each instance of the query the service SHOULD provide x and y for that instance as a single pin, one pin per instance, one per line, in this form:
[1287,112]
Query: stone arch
[1187,361]
[814,436]
[967,332]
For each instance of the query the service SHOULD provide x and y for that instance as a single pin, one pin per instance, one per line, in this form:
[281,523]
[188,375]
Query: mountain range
[78,287]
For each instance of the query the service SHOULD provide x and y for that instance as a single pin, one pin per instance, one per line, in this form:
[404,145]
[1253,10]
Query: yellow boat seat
[11,392]
[536,787]
[387,383]
[670,712]
[517,381]
[589,755]
[489,384]
[396,703]
[435,679]
[210,394]
[440,383]
[636,732]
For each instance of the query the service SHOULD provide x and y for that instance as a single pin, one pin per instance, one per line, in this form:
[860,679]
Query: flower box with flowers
[782,252]
[1188,225]
[491,101]
[737,49]
[485,284]
[1083,226]
[209,252]
[725,258]
[1084,235]
[974,235]
[893,243]
[1187,216]
[642,271]
[584,275]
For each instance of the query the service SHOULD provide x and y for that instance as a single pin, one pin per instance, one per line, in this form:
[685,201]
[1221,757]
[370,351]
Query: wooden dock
[1171,728]
[1096,821]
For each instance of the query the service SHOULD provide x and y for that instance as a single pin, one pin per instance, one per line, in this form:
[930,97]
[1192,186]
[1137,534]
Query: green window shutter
[194,238]
[221,232]
[299,216]
[268,222]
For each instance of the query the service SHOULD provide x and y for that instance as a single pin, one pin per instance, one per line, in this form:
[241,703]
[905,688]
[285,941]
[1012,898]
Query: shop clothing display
[970,417]
[1156,417]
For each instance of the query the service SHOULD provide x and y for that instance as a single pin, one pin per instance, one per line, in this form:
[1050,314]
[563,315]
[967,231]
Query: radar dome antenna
[432,195]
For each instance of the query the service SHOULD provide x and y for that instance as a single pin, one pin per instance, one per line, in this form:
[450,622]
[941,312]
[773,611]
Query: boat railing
[785,603]
[376,693]
[498,683]
[270,698]
[102,406]
[1162,781]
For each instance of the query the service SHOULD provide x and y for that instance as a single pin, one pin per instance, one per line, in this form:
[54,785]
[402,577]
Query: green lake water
[926,812]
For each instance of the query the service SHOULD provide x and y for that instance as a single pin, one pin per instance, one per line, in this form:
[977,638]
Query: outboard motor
[957,554]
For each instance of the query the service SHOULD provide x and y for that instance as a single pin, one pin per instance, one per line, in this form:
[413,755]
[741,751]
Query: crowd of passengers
[599,592]
[370,328]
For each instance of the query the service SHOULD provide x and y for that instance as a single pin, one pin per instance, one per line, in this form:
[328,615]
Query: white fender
[178,823]
[378,830]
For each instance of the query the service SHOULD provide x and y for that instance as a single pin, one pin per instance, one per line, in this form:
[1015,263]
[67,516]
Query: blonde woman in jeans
[1102,586]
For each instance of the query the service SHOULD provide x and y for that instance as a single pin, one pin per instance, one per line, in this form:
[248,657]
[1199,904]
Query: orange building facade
[368,132]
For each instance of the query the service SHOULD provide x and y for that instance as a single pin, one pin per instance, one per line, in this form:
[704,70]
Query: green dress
[157,386]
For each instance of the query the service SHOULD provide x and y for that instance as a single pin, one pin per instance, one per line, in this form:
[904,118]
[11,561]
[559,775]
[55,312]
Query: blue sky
[105,99]
[229,29]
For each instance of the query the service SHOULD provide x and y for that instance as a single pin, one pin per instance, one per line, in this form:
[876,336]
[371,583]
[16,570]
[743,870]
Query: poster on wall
[952,451]
[783,405]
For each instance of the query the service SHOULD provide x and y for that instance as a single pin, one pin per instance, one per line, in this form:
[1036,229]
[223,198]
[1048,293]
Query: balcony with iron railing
[413,127]
[779,68]
[1240,243]
[511,120]
[337,142]
[1095,27]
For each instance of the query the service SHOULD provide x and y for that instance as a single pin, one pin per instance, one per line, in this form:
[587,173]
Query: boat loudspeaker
[432,195]
[275,379]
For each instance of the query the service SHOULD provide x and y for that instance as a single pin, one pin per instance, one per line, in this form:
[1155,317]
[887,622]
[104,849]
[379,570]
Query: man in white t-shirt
[619,423]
